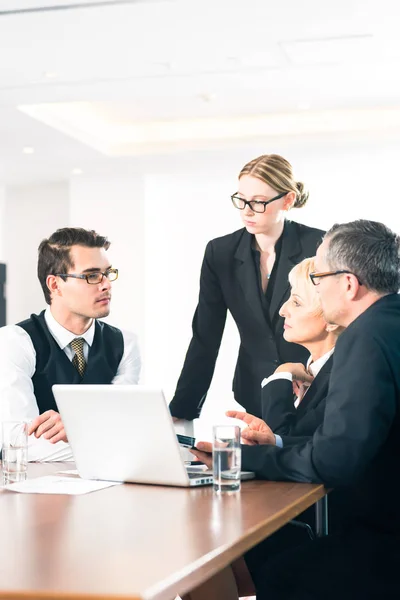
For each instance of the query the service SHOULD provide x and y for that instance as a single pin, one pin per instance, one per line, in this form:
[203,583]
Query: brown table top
[134,541]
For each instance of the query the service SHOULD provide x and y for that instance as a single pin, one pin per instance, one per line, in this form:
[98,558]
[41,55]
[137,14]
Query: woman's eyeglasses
[257,206]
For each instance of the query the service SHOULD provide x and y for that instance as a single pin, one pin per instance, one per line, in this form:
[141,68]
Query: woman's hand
[298,371]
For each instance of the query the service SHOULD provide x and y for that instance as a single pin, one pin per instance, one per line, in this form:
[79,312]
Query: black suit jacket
[228,281]
[357,447]
[291,423]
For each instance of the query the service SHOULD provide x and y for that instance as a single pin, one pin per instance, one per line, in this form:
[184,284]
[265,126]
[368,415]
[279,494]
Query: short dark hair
[54,252]
[368,249]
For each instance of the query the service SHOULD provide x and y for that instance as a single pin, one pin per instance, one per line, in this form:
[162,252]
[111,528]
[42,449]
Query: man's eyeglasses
[315,277]
[92,278]
[257,206]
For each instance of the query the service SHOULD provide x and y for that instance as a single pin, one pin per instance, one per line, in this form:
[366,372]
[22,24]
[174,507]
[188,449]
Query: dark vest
[53,365]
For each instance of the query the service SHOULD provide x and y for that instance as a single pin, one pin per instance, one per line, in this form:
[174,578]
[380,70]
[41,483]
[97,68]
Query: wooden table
[134,541]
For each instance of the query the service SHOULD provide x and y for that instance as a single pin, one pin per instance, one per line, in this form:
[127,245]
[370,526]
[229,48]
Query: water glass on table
[227,456]
[14,451]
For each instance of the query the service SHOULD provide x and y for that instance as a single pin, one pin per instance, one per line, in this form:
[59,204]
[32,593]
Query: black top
[229,281]
[53,365]
[280,413]
[267,295]
[294,425]
[357,446]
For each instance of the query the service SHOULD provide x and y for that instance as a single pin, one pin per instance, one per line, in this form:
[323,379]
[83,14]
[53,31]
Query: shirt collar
[64,337]
[315,367]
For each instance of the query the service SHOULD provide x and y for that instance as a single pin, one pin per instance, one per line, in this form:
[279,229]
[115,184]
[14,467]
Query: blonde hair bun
[277,172]
[302,195]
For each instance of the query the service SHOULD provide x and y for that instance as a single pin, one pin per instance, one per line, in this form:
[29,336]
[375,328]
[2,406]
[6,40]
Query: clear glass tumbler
[227,458]
[14,451]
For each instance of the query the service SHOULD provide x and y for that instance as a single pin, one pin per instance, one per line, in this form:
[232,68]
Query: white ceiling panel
[181,61]
[11,6]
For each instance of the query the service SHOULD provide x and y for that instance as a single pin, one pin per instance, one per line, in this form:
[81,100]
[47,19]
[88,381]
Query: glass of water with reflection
[14,451]
[227,458]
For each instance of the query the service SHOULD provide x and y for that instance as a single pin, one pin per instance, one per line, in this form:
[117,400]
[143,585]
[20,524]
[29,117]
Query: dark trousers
[352,565]
[288,537]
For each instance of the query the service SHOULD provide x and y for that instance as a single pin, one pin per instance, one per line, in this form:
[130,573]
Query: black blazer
[357,447]
[228,281]
[279,412]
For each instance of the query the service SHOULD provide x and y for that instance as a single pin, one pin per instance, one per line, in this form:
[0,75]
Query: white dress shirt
[312,367]
[18,365]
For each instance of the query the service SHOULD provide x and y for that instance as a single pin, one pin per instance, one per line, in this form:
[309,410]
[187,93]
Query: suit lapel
[291,248]
[318,389]
[247,276]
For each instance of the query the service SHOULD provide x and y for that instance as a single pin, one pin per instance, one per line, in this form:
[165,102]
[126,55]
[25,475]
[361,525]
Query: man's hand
[50,426]
[298,371]
[257,431]
[203,452]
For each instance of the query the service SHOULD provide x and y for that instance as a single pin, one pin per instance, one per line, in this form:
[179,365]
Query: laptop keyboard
[197,475]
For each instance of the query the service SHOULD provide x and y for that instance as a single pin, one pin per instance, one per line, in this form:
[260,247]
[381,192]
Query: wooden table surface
[134,541]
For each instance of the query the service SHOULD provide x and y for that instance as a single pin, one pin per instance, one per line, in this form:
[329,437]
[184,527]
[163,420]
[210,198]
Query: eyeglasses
[315,276]
[93,278]
[257,206]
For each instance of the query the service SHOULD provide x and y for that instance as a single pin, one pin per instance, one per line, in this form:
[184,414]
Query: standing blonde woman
[246,272]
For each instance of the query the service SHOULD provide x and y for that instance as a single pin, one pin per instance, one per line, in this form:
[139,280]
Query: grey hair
[368,249]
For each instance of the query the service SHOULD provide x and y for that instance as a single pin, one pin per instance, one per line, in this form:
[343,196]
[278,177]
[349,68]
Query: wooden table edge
[179,583]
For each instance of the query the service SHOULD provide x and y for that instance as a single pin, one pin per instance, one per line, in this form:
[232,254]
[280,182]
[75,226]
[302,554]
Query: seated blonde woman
[293,404]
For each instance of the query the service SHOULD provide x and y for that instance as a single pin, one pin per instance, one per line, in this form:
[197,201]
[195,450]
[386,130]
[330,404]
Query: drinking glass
[227,456]
[14,451]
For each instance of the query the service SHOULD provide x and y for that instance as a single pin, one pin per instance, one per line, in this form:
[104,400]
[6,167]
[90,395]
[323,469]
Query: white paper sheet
[68,472]
[53,484]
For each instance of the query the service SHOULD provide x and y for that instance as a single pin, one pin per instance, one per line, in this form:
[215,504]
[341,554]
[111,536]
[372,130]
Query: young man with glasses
[64,343]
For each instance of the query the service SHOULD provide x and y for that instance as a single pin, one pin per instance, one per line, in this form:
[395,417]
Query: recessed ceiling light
[258,59]
[76,171]
[335,50]
[233,61]
[166,66]
[50,75]
[28,150]
[208,96]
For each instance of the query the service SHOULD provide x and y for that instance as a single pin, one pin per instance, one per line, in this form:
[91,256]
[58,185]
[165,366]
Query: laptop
[123,433]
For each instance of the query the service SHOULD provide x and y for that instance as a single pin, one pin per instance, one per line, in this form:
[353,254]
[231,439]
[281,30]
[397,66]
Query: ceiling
[83,81]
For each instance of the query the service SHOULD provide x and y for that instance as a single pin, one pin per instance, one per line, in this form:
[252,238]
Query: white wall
[31,213]
[114,206]
[348,179]
[2,220]
[182,212]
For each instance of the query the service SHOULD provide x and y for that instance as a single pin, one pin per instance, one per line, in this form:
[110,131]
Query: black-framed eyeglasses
[92,278]
[257,206]
[315,277]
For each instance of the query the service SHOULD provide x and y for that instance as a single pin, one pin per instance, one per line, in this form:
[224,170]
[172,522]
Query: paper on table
[68,472]
[52,484]
[196,468]
[41,450]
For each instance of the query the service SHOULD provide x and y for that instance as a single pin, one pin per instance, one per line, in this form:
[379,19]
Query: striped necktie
[78,361]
